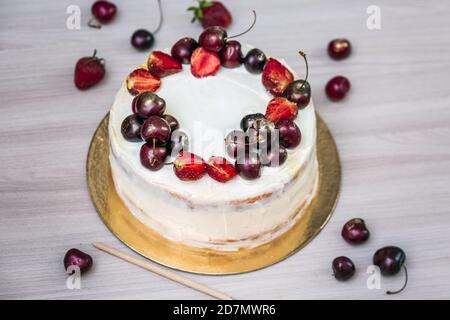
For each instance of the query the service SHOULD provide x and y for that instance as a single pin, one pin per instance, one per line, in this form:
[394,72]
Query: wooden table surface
[393,134]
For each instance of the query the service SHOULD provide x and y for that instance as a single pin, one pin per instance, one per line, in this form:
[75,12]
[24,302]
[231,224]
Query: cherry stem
[307,68]
[161,17]
[404,285]
[93,23]
[248,29]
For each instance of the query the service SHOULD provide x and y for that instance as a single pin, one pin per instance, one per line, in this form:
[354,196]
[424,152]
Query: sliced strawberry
[141,80]
[204,63]
[161,64]
[276,77]
[220,169]
[188,166]
[281,109]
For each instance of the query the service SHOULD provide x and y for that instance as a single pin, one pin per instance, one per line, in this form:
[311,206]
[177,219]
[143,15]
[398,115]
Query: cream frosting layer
[206,213]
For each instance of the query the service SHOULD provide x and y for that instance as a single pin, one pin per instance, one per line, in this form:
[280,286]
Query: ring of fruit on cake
[213,144]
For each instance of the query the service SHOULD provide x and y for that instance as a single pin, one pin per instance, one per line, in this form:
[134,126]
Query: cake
[242,211]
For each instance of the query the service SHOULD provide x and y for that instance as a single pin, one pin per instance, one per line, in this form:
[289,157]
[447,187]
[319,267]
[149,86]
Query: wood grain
[392,132]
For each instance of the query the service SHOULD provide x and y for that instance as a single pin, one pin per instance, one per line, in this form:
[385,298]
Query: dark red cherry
[355,231]
[153,155]
[339,49]
[391,260]
[248,166]
[142,39]
[103,11]
[261,128]
[231,54]
[274,156]
[149,104]
[213,38]
[254,61]
[343,268]
[173,123]
[155,129]
[133,105]
[252,121]
[337,88]
[183,48]
[298,93]
[131,128]
[179,141]
[75,257]
[238,143]
[289,133]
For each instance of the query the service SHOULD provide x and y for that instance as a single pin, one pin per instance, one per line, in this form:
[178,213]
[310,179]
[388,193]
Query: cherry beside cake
[213,143]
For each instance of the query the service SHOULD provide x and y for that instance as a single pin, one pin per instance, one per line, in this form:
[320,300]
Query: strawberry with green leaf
[211,13]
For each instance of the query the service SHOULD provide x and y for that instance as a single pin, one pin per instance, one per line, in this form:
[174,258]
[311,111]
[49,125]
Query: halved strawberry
[220,169]
[276,77]
[188,166]
[204,63]
[281,109]
[141,80]
[161,64]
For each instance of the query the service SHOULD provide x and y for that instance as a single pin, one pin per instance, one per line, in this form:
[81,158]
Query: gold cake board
[153,246]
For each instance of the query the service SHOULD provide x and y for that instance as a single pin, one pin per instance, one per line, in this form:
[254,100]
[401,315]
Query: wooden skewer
[162,272]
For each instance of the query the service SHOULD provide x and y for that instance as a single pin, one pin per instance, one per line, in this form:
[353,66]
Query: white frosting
[199,213]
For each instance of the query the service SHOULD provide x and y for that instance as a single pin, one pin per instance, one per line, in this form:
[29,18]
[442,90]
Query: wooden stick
[162,272]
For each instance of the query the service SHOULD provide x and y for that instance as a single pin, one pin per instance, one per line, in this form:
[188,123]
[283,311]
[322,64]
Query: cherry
[391,260]
[75,257]
[238,143]
[355,231]
[179,141]
[133,105]
[289,133]
[231,54]
[254,61]
[299,92]
[149,104]
[253,120]
[214,38]
[155,129]
[339,49]
[337,88]
[143,39]
[183,48]
[153,156]
[173,123]
[248,166]
[261,128]
[343,268]
[131,128]
[103,12]
[274,156]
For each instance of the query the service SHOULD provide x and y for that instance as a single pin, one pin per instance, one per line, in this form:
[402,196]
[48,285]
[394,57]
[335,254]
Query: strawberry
[220,169]
[281,109]
[161,64]
[89,71]
[141,80]
[188,166]
[211,13]
[276,77]
[204,63]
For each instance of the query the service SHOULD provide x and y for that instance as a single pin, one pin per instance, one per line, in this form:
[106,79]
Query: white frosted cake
[205,213]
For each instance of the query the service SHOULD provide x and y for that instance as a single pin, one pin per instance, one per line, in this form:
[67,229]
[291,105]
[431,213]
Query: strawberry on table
[276,77]
[188,166]
[89,71]
[211,13]
[161,64]
[204,63]
[281,109]
[220,169]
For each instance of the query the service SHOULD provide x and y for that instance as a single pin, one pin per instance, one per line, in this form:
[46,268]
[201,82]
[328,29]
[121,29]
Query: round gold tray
[152,245]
